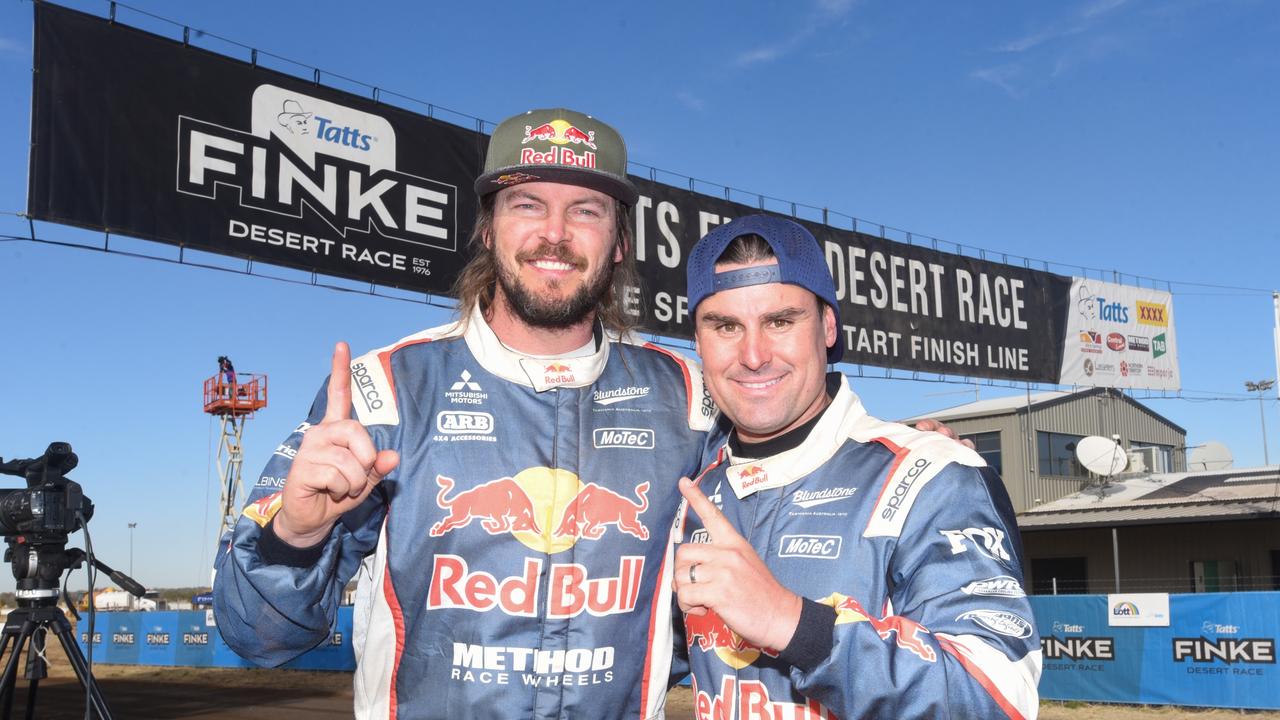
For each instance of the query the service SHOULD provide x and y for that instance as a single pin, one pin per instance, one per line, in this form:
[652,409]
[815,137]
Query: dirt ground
[147,693]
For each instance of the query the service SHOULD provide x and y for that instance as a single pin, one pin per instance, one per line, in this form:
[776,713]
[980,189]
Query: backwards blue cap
[799,256]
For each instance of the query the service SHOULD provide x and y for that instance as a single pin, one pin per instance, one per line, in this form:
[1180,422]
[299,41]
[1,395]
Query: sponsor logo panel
[999,586]
[824,547]
[636,438]
[1000,622]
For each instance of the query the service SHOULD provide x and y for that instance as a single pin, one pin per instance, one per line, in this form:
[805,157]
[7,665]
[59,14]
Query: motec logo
[337,161]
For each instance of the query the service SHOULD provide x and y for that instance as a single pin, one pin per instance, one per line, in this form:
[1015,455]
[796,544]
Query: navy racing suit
[908,540]
[516,563]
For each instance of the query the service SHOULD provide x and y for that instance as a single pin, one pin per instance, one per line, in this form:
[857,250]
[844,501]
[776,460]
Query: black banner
[143,136]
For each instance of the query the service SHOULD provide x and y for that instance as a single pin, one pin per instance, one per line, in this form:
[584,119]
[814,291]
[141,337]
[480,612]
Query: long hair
[478,281]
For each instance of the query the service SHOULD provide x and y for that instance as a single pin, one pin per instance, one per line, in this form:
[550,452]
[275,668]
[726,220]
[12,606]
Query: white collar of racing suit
[750,475]
[540,373]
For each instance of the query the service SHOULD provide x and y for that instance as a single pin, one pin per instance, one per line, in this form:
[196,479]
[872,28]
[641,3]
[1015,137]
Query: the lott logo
[999,586]
[1225,650]
[338,161]
[822,547]
[986,540]
[1154,314]
[635,438]
[570,590]
[546,510]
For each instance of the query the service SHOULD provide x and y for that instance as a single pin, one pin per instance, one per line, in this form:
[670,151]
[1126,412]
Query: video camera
[46,511]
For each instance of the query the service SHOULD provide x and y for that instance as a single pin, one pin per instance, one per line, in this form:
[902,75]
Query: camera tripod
[33,623]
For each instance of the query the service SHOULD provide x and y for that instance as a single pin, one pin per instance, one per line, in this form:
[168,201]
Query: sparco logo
[338,161]
[903,487]
[468,423]
[825,547]
[364,383]
[999,586]
[1227,650]
[1078,648]
[638,438]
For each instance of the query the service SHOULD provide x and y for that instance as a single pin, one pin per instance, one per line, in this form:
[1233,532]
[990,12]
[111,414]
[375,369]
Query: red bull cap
[561,146]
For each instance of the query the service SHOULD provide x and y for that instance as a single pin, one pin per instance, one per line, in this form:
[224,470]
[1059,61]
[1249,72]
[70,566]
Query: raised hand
[336,467]
[931,425]
[726,575]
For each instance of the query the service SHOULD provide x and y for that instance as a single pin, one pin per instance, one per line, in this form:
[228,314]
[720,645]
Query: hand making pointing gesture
[726,575]
[336,467]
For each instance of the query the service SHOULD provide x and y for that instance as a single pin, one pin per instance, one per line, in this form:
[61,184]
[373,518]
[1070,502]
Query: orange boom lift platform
[233,403]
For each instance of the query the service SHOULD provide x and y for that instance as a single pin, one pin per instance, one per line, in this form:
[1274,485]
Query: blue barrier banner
[1219,650]
[195,639]
[335,653]
[159,638]
[120,630]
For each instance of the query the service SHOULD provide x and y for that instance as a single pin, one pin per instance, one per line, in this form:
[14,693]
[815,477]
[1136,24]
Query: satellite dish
[1212,455]
[1100,455]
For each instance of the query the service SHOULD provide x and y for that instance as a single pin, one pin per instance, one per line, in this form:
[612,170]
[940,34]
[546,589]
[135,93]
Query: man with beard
[504,484]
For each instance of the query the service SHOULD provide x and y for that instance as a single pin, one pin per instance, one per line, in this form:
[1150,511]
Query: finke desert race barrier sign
[141,135]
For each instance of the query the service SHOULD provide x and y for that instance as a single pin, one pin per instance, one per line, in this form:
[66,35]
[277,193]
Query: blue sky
[1134,137]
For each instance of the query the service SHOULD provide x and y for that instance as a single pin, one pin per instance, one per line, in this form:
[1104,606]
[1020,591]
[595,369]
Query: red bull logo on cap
[563,137]
[559,132]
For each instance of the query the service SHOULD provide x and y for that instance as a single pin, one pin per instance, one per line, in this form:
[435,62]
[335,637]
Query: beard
[553,313]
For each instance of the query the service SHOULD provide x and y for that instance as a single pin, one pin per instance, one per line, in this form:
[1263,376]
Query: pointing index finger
[338,406]
[712,519]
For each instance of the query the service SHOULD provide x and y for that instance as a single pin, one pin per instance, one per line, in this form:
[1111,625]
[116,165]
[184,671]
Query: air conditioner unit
[1146,460]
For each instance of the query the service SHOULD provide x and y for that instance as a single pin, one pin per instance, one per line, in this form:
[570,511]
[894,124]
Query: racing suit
[905,543]
[515,563]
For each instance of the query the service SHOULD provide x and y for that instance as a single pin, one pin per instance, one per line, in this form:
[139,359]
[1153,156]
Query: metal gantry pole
[229,461]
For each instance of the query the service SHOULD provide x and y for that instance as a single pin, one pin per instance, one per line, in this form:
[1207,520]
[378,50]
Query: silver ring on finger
[693,575]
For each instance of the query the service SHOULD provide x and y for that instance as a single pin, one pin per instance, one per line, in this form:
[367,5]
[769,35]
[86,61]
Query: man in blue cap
[834,565]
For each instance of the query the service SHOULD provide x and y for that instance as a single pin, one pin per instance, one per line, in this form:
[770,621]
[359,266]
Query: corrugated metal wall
[1098,414]
[1157,558]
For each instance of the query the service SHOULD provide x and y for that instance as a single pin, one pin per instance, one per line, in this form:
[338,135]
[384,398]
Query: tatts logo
[1152,314]
[337,161]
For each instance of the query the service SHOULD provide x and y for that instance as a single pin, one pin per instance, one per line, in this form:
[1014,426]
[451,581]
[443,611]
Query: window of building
[1058,455]
[1066,576]
[1161,455]
[988,446]
[1213,575]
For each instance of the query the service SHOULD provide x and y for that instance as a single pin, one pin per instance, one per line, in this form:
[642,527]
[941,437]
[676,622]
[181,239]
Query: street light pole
[131,527]
[1261,387]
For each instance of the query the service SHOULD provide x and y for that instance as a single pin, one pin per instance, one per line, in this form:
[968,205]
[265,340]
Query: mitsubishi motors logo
[465,383]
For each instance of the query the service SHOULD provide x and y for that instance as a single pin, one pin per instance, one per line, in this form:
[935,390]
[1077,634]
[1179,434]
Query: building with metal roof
[1205,531]
[1031,438]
